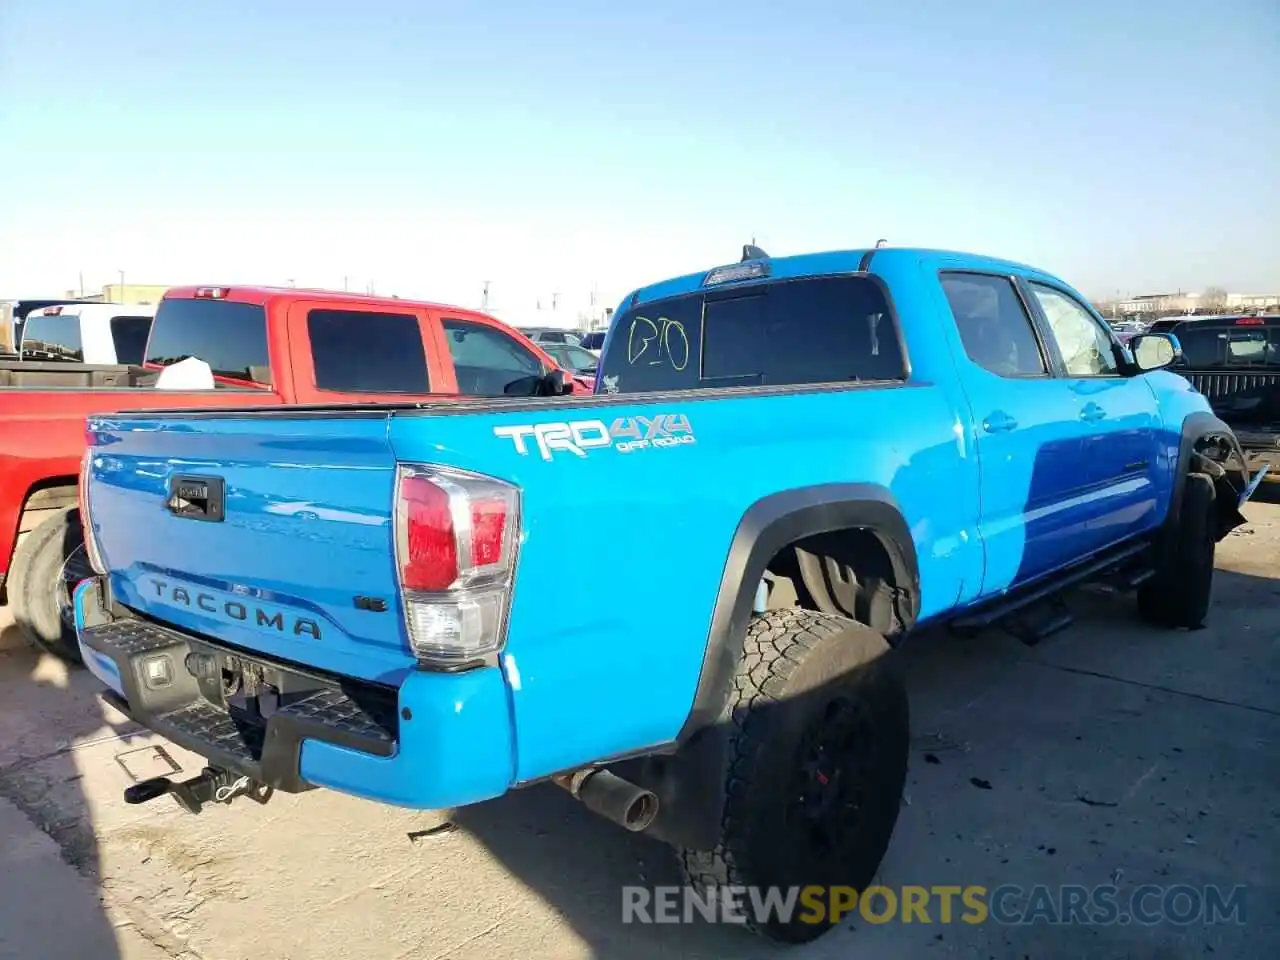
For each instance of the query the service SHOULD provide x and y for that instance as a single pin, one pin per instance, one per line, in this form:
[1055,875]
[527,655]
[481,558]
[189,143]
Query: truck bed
[80,376]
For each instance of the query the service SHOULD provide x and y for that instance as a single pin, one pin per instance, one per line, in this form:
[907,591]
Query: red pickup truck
[262,345]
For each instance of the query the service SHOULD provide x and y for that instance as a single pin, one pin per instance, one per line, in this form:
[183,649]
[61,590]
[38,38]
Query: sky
[572,151]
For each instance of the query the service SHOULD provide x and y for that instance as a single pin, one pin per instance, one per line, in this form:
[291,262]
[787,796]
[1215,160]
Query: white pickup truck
[95,333]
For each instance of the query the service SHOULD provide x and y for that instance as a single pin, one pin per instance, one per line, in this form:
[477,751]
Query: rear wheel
[1179,594]
[818,757]
[47,565]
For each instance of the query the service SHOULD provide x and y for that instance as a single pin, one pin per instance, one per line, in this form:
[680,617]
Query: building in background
[1254,301]
[126,293]
[1213,300]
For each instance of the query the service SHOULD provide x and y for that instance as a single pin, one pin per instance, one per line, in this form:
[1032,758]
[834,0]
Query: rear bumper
[432,741]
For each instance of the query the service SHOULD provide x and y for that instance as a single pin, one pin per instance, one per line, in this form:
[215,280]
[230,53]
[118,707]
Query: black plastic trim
[181,714]
[769,525]
[985,614]
[1196,427]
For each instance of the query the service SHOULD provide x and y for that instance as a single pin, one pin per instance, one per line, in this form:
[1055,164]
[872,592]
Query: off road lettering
[578,436]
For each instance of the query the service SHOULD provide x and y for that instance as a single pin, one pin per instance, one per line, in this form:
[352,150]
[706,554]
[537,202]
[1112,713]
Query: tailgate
[1240,396]
[272,533]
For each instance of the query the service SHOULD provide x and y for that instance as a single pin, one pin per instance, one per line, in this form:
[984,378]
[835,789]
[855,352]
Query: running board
[1002,607]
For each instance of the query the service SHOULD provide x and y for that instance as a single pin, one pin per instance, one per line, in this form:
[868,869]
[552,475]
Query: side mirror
[555,383]
[1154,351]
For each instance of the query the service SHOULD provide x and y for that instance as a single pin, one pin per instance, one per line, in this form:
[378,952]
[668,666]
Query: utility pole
[344,283]
[555,297]
[121,272]
[82,284]
[484,299]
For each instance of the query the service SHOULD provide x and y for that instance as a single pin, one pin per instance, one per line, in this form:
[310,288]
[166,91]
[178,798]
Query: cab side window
[358,352]
[1087,350]
[994,327]
[490,363]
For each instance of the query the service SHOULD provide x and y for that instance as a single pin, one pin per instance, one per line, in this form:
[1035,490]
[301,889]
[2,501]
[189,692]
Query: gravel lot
[1112,753]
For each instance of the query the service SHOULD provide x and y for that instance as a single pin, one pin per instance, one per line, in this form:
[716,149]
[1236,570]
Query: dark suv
[1235,362]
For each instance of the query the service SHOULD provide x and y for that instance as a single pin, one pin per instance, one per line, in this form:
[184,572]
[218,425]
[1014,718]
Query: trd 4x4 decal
[625,434]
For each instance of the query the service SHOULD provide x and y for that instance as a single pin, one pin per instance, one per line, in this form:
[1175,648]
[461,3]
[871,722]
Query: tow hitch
[212,785]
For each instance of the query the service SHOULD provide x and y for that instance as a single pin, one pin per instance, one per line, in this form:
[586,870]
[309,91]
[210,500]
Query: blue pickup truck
[792,463]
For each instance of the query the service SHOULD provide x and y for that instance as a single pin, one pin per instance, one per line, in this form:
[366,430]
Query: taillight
[455,553]
[91,550]
[211,293]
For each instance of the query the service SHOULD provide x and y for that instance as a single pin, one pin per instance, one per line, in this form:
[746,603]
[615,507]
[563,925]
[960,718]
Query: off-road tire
[36,576]
[1179,594]
[796,664]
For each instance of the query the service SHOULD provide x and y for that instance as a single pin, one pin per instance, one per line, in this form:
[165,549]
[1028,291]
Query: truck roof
[257,294]
[828,262]
[95,310]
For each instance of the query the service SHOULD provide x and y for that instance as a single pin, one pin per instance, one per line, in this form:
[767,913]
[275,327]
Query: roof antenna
[751,252]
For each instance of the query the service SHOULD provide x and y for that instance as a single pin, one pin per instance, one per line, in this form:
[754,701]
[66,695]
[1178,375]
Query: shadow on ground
[1113,753]
[51,906]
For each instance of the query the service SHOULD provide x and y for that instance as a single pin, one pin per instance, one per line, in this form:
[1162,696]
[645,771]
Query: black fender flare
[688,778]
[1196,428]
[768,525]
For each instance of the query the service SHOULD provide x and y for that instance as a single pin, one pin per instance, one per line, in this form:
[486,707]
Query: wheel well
[41,501]
[849,573]
[52,493]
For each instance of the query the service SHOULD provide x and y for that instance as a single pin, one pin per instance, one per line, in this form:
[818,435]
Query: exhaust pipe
[612,797]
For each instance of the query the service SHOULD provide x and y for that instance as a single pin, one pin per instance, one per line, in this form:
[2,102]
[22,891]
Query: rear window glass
[52,338]
[815,330]
[1236,346]
[358,352]
[230,337]
[129,335]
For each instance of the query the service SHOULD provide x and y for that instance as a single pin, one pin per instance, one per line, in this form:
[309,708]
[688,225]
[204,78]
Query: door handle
[1092,412]
[999,422]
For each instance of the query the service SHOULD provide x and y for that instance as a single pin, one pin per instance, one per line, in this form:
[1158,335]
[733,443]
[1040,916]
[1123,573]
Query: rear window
[815,330]
[1230,347]
[230,337]
[129,336]
[358,352]
[52,338]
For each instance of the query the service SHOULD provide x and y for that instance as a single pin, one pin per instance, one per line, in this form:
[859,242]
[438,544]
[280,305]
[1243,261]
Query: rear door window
[230,337]
[490,363]
[995,329]
[358,352]
[54,337]
[129,336]
[808,331]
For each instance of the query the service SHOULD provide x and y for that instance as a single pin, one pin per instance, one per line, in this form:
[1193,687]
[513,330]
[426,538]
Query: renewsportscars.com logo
[625,435]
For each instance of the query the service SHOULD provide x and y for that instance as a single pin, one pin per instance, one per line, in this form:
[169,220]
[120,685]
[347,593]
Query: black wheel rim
[74,569]
[829,785]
